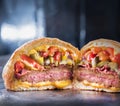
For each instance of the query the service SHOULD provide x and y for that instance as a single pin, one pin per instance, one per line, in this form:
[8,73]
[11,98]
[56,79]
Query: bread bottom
[26,86]
[85,85]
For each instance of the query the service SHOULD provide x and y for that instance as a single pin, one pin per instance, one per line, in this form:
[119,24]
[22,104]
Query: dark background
[74,21]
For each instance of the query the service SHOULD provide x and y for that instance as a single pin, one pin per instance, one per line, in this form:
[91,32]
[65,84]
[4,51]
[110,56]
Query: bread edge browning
[8,70]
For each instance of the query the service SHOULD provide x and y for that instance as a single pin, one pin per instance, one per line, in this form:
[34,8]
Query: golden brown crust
[102,42]
[8,71]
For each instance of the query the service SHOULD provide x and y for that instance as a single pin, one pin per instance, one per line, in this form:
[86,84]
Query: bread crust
[8,70]
[96,43]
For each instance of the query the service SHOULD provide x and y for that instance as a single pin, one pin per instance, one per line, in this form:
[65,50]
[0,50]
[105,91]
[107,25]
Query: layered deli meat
[45,63]
[100,65]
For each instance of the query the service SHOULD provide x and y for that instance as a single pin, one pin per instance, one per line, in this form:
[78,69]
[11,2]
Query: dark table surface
[56,97]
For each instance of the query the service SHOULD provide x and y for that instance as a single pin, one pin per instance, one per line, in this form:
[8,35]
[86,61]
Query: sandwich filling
[45,64]
[100,65]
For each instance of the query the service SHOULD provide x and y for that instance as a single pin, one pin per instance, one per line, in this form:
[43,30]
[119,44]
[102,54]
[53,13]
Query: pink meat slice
[53,74]
[108,78]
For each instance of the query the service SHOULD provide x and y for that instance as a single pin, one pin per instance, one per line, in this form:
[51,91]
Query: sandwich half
[41,64]
[99,68]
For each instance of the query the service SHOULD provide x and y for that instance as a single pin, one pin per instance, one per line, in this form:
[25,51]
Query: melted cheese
[95,85]
[61,84]
[57,84]
[100,86]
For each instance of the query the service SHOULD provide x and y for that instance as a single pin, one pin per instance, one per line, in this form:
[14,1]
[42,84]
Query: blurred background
[74,21]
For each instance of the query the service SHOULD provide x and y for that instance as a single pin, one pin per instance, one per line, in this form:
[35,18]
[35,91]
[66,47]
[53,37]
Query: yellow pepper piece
[33,51]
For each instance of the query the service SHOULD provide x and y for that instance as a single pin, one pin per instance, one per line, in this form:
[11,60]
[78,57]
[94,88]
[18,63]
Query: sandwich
[99,67]
[41,64]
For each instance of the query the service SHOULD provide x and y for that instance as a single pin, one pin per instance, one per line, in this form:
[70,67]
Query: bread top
[8,70]
[101,43]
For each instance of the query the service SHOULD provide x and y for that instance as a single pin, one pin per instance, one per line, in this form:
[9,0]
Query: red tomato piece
[116,58]
[52,50]
[19,66]
[96,50]
[32,62]
[89,55]
[43,54]
[103,55]
[57,56]
[110,50]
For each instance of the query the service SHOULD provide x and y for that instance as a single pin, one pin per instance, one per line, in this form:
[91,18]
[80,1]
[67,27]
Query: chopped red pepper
[110,50]
[90,55]
[18,66]
[116,58]
[57,56]
[44,54]
[52,50]
[32,62]
[96,50]
[103,55]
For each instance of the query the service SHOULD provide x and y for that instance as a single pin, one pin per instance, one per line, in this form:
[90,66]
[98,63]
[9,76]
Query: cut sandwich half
[40,64]
[99,68]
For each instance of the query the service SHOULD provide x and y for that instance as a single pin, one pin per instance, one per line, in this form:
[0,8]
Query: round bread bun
[84,85]
[8,70]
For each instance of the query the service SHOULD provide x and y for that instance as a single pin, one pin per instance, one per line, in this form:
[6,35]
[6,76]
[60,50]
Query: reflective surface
[59,97]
